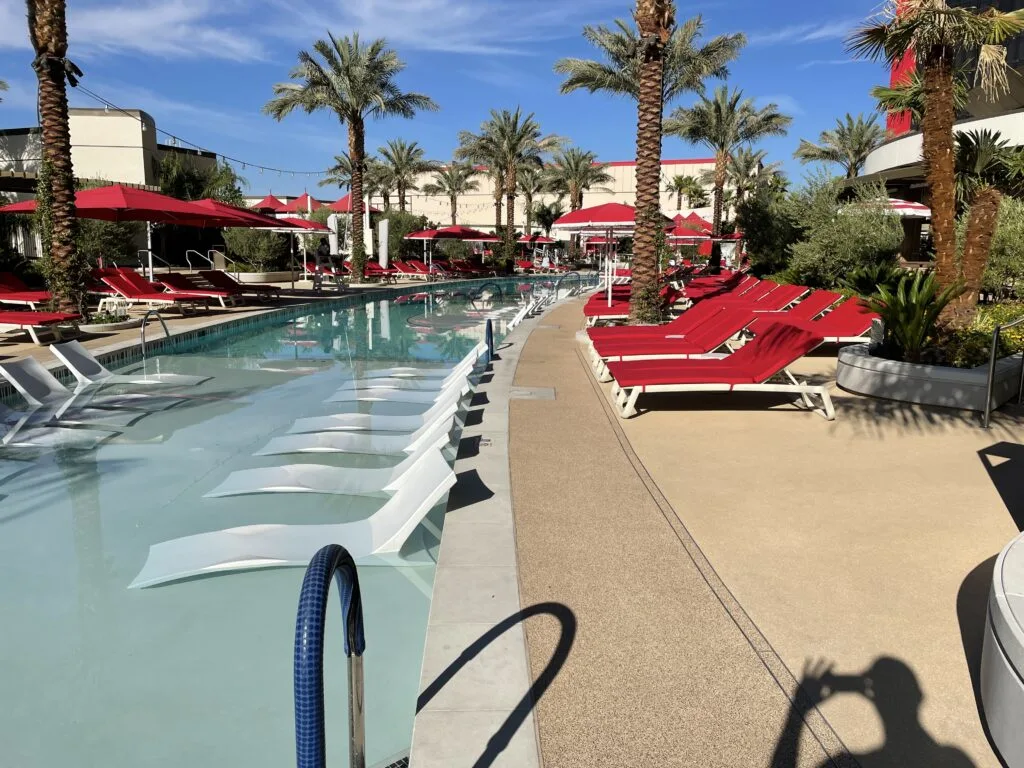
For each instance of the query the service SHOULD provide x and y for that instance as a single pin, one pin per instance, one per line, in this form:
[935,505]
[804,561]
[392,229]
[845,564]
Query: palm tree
[508,142]
[848,145]
[654,64]
[354,81]
[747,171]
[687,63]
[546,214]
[685,186]
[574,171]
[3,87]
[940,36]
[529,184]
[339,174]
[378,179]
[908,96]
[67,270]
[406,161]
[725,123]
[453,181]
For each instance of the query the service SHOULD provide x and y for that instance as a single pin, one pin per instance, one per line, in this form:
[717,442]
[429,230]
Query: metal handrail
[142,330]
[990,385]
[152,257]
[578,276]
[227,260]
[200,255]
[333,561]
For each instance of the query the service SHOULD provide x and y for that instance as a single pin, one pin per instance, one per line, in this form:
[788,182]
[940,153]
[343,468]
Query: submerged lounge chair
[359,422]
[748,370]
[323,479]
[427,373]
[39,387]
[336,441]
[88,370]
[392,395]
[274,546]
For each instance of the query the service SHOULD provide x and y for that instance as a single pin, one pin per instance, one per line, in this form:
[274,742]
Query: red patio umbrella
[469,234]
[302,204]
[315,226]
[693,221]
[684,233]
[536,240]
[268,204]
[236,217]
[344,205]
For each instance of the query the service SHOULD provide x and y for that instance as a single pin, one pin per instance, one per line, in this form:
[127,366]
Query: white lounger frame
[88,370]
[361,442]
[34,330]
[626,397]
[274,546]
[360,422]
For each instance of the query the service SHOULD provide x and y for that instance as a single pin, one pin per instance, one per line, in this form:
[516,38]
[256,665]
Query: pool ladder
[333,561]
[142,330]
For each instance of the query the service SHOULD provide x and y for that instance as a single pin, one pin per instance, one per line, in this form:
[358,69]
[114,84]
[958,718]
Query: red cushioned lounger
[32,322]
[751,369]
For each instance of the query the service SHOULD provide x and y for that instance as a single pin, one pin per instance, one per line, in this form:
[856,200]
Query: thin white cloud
[477,27]
[161,28]
[805,33]
[831,63]
[786,104]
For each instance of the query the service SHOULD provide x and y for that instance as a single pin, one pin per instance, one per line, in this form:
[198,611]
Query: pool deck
[700,556]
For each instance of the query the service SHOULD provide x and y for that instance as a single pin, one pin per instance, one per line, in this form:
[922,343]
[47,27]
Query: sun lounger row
[411,488]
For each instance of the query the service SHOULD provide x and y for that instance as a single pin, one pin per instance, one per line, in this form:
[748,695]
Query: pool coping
[123,353]
[468,694]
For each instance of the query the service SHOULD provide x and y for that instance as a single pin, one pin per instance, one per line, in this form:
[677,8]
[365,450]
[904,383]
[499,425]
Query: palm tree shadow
[500,740]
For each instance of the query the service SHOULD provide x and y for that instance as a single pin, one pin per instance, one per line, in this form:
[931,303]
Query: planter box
[265,277]
[861,372]
[109,327]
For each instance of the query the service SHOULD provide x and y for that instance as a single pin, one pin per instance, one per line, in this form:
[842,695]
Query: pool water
[199,672]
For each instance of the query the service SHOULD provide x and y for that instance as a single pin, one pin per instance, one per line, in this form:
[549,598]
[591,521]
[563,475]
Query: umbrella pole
[292,243]
[149,247]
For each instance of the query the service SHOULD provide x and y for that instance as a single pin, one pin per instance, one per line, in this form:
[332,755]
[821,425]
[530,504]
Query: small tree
[260,250]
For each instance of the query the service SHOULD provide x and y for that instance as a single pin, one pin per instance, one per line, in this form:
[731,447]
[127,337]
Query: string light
[176,141]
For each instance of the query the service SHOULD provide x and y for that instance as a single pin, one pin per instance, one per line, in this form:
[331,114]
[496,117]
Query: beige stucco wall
[476,209]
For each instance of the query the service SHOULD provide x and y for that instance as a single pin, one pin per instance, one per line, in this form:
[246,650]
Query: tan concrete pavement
[663,670]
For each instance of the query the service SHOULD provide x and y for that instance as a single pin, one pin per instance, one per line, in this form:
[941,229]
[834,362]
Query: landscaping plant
[910,314]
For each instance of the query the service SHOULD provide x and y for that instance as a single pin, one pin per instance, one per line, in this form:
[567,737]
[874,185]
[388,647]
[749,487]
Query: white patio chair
[88,370]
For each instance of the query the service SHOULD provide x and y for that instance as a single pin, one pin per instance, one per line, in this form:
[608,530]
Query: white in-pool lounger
[404,384]
[39,387]
[361,442]
[273,546]
[372,422]
[321,478]
[386,394]
[409,371]
[88,370]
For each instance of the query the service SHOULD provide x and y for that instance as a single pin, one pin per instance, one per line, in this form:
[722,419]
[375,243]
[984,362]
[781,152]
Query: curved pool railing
[310,741]
[577,275]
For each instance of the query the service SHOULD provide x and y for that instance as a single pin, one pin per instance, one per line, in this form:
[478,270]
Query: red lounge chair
[28,298]
[706,338]
[225,282]
[849,323]
[408,270]
[525,266]
[751,369]
[683,324]
[597,307]
[179,284]
[130,294]
[33,322]
[806,310]
[374,269]
[419,266]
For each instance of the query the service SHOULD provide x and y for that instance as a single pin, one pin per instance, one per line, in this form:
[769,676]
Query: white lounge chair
[372,422]
[320,478]
[360,442]
[404,384]
[39,387]
[391,395]
[412,372]
[275,546]
[88,370]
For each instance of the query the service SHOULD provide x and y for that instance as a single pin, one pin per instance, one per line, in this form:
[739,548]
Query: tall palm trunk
[67,271]
[497,209]
[981,225]
[385,196]
[644,305]
[937,151]
[528,223]
[401,198]
[453,200]
[679,200]
[357,153]
[717,210]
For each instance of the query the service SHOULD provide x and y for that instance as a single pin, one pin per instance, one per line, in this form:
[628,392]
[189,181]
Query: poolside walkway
[711,550]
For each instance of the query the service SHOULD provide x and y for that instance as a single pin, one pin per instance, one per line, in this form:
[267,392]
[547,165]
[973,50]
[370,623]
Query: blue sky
[204,68]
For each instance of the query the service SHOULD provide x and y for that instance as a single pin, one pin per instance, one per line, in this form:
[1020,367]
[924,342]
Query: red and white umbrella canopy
[117,202]
[311,226]
[536,240]
[423,234]
[683,234]
[236,217]
[465,233]
[302,204]
[909,210]
[268,204]
[693,221]
[599,218]
[344,205]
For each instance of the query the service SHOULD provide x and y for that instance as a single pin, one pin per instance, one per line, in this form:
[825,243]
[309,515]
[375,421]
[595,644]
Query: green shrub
[1006,258]
[770,230]
[399,225]
[840,237]
[910,315]
[117,240]
[865,281]
[258,249]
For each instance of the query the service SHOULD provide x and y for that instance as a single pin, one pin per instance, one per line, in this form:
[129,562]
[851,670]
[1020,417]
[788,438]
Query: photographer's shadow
[892,687]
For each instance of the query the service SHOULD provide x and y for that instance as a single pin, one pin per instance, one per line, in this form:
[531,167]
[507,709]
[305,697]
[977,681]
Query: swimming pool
[199,672]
